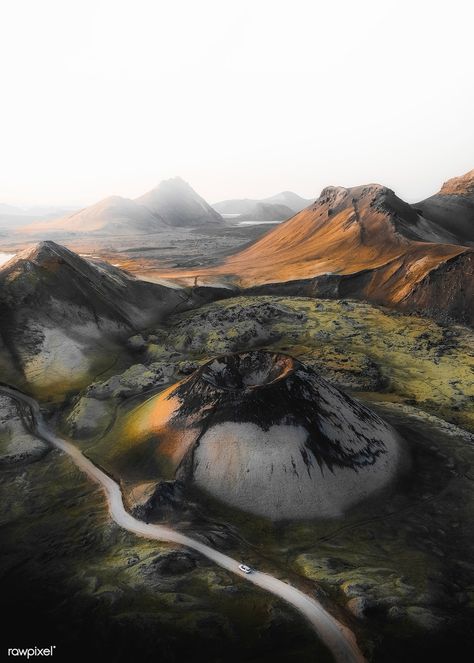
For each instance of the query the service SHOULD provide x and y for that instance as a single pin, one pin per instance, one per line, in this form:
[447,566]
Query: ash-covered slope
[176,202]
[57,311]
[452,208]
[363,242]
[264,433]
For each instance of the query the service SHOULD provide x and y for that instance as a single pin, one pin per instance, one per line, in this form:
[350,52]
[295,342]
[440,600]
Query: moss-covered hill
[380,354]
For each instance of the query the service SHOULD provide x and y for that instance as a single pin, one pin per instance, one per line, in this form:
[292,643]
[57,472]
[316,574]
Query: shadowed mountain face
[178,204]
[452,208]
[37,278]
[362,242]
[264,433]
[58,311]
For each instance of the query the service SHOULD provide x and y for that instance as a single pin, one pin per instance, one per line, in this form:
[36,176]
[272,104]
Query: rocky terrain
[363,243]
[61,315]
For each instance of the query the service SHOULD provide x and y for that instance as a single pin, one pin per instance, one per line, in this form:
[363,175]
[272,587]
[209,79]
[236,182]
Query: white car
[245,569]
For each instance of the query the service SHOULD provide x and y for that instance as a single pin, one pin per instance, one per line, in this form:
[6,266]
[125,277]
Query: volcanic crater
[262,432]
[251,370]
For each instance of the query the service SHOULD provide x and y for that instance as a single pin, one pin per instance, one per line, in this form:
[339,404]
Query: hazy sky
[240,98]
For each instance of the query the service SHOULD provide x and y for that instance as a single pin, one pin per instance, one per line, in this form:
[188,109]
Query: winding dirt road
[338,638]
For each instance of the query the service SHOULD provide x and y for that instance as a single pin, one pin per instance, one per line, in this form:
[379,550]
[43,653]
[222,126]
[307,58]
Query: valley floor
[178,247]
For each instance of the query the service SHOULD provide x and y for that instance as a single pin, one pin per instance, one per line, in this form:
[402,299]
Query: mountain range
[367,243]
[362,242]
[275,208]
[173,203]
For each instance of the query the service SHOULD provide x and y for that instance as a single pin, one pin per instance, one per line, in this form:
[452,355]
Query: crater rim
[248,371]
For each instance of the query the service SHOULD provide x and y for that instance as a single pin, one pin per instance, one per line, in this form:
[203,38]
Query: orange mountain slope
[344,232]
[363,242]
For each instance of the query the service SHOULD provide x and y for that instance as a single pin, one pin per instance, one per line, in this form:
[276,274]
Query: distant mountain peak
[278,207]
[175,181]
[175,201]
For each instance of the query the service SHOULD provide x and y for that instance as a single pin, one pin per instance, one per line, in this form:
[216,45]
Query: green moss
[410,357]
[407,550]
[58,542]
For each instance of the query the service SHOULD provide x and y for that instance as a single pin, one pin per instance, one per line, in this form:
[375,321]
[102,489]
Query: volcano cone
[264,433]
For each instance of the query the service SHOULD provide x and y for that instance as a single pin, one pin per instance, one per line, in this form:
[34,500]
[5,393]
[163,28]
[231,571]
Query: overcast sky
[241,98]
